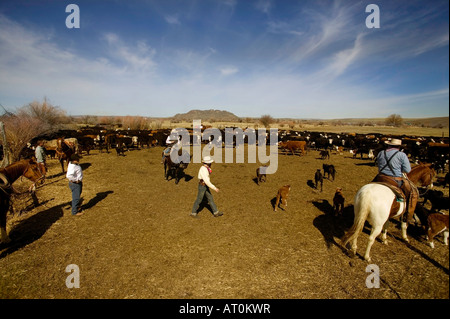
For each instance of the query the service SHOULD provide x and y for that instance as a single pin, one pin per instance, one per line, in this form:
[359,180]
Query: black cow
[318,178]
[329,170]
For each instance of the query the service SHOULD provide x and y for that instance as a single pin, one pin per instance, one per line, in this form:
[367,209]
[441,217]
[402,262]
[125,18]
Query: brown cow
[294,146]
[437,223]
[260,177]
[282,197]
[430,144]
[338,202]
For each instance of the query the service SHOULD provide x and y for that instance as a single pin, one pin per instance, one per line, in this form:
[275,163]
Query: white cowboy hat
[208,159]
[394,142]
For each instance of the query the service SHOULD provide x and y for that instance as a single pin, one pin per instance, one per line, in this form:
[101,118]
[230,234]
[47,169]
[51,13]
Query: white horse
[373,203]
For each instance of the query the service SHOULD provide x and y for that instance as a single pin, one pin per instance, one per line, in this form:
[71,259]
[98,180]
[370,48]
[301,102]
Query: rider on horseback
[393,165]
[170,142]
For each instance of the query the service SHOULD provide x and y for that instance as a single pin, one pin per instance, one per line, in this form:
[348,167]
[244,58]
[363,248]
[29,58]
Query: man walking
[75,177]
[204,188]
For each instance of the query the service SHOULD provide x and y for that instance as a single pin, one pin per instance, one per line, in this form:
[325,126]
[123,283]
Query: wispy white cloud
[193,62]
[229,70]
[326,28]
[340,61]
[283,27]
[431,43]
[264,6]
[138,57]
[231,3]
[172,19]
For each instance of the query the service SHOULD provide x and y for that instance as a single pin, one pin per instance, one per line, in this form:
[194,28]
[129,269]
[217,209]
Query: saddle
[391,183]
[407,193]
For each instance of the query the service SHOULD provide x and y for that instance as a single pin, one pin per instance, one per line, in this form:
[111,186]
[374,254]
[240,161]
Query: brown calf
[282,196]
[338,202]
[437,223]
[260,176]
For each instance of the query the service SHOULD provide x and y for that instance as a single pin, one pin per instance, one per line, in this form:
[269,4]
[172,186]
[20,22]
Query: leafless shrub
[155,125]
[89,119]
[134,122]
[20,130]
[394,120]
[50,116]
[29,122]
[107,120]
[266,120]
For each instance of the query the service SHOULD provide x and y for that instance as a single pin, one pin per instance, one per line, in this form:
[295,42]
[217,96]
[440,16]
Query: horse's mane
[417,168]
[421,170]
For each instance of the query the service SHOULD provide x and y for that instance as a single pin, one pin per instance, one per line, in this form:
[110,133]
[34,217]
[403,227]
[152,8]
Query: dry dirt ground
[137,240]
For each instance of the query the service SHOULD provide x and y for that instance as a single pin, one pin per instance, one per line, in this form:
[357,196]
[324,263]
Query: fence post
[5,161]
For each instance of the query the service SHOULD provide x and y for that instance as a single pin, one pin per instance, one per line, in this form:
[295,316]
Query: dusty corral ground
[137,240]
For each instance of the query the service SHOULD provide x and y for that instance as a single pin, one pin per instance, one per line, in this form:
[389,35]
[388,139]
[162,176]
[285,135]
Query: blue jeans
[76,189]
[203,191]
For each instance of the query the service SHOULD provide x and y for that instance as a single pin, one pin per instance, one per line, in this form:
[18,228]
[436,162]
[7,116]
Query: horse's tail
[362,210]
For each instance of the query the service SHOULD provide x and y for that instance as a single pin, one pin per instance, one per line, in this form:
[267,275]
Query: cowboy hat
[208,159]
[394,142]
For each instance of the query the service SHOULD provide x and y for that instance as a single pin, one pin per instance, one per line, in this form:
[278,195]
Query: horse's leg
[384,236]
[384,232]
[3,235]
[376,230]
[277,202]
[404,228]
[354,245]
[430,237]
[166,171]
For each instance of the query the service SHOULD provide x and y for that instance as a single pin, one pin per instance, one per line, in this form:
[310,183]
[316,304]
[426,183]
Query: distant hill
[206,115]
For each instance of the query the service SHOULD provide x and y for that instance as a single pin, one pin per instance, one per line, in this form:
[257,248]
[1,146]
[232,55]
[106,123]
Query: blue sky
[299,59]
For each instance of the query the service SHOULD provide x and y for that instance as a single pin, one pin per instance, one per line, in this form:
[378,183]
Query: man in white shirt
[75,177]
[204,188]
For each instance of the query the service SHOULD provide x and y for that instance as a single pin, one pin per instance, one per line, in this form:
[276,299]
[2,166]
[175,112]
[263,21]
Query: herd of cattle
[424,149]
[419,149]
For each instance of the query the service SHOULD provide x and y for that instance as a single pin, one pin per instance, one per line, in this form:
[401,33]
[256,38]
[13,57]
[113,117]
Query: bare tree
[266,120]
[394,120]
[134,122]
[29,122]
[20,130]
[50,116]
